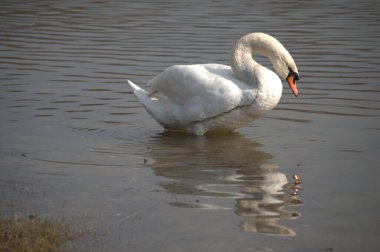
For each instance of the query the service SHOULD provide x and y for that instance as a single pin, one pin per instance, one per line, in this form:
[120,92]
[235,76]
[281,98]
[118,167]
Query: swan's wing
[201,91]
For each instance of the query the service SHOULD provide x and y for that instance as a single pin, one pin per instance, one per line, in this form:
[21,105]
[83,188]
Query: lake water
[75,143]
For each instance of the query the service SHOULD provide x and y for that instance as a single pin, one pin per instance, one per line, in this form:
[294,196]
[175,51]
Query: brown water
[76,144]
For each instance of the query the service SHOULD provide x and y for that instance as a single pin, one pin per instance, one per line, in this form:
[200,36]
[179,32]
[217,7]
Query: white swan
[214,97]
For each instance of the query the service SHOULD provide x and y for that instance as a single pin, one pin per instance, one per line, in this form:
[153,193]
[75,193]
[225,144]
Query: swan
[214,97]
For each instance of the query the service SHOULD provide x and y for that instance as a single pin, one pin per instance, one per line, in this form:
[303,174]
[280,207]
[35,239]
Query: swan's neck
[242,61]
[243,64]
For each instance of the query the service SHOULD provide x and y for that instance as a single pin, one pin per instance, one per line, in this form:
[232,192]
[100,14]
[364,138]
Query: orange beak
[292,84]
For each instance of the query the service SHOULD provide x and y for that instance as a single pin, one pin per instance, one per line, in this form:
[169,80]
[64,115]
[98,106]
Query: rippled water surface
[76,144]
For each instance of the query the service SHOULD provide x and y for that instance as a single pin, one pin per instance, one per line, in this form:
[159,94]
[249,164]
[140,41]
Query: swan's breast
[269,89]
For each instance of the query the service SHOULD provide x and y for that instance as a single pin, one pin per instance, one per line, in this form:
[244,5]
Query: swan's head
[286,68]
[264,44]
[292,78]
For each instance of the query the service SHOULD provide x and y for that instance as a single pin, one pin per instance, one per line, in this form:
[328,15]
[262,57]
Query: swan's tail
[136,89]
[159,109]
[140,93]
[142,96]
[151,105]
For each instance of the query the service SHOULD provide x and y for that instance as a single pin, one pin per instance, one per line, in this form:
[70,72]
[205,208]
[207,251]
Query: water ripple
[65,63]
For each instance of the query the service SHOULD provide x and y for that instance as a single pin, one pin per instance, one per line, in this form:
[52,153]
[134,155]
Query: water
[76,144]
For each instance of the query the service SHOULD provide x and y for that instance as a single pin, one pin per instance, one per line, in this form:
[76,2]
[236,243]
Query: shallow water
[76,144]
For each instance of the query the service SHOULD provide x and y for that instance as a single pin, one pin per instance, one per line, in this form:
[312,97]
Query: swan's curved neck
[242,61]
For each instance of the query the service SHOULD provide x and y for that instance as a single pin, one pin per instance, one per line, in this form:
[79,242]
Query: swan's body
[214,97]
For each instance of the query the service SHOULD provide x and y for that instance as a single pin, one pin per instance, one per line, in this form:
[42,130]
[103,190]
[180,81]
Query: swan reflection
[218,168]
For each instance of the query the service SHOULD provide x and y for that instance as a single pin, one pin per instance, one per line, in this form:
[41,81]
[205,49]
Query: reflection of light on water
[216,169]
[296,189]
[200,206]
[263,204]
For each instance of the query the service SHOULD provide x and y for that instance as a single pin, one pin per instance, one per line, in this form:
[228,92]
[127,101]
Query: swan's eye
[292,73]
